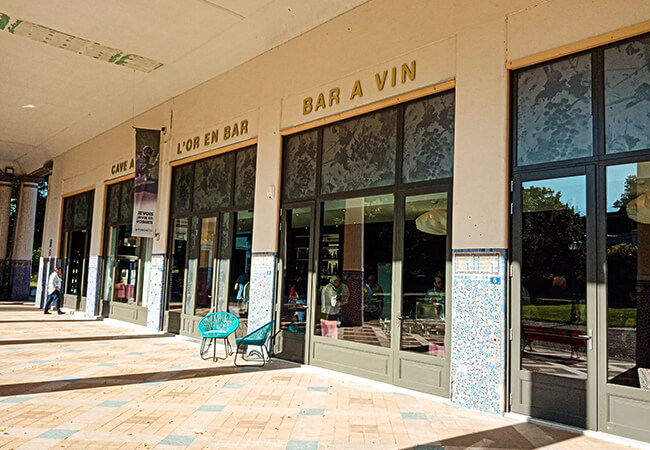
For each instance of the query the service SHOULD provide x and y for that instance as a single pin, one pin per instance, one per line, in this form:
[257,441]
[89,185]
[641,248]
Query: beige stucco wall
[485,35]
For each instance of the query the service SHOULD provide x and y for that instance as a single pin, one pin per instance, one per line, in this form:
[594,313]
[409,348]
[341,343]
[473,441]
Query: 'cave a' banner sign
[145,189]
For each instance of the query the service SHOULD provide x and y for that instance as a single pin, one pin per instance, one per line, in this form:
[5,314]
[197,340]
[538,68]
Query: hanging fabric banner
[145,189]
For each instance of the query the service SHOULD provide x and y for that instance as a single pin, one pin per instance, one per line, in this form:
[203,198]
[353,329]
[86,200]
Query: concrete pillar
[265,217]
[5,202]
[23,244]
[480,218]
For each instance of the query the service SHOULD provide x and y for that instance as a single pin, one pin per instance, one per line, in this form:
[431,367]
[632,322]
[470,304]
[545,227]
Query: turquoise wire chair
[217,325]
[258,338]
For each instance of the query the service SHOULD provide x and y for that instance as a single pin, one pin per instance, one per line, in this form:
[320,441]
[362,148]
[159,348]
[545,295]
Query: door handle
[588,337]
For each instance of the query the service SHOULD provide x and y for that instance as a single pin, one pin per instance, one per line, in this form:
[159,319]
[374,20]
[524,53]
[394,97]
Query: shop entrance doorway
[295,284]
[580,303]
[76,254]
[553,352]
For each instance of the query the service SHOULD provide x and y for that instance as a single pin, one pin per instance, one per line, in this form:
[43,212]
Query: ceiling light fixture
[30,106]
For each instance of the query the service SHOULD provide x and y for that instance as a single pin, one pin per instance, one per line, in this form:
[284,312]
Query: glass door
[177,275]
[553,289]
[424,307]
[295,284]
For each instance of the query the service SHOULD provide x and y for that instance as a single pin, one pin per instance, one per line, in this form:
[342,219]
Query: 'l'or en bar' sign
[210,138]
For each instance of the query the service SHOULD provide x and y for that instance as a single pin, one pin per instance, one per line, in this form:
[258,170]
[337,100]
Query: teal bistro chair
[217,325]
[258,338]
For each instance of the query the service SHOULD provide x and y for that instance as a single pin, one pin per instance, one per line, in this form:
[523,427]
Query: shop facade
[459,210]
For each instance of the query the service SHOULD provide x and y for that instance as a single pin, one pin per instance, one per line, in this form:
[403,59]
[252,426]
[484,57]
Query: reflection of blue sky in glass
[573,191]
[616,176]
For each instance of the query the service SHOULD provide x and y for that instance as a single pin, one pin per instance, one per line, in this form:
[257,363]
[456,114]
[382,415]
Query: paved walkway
[66,382]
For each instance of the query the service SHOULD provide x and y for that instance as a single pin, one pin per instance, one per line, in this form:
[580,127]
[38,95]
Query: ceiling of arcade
[73,69]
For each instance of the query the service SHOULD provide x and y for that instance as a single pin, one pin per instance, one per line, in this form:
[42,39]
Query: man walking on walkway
[54,291]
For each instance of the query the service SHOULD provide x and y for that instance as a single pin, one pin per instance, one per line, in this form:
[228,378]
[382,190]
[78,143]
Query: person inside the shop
[436,295]
[333,296]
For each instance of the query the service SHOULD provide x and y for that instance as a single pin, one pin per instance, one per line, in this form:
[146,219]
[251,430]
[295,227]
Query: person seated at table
[436,294]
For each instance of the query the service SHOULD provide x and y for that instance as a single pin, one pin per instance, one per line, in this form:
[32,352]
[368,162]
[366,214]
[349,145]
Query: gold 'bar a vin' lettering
[323,100]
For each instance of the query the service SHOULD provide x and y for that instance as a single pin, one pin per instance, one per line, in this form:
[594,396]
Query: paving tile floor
[67,382]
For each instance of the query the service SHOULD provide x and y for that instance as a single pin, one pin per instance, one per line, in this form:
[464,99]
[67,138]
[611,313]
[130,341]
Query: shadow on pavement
[82,339]
[510,437]
[104,381]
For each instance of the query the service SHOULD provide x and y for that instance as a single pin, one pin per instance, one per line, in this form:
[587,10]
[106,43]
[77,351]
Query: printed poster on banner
[145,189]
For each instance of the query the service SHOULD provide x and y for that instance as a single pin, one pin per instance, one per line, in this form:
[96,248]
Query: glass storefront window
[429,138]
[240,263]
[211,244]
[299,165]
[628,273]
[205,272]
[294,297]
[127,259]
[355,269]
[364,146]
[77,222]
[178,263]
[424,300]
[109,264]
[627,68]
[554,111]
[131,266]
[554,282]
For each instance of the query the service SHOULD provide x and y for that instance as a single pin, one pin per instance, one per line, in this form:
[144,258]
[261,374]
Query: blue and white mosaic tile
[92,289]
[478,361]
[260,305]
[154,305]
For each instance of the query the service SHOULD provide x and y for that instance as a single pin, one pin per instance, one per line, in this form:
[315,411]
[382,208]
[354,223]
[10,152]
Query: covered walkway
[66,382]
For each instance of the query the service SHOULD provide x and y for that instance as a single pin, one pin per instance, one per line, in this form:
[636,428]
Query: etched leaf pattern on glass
[359,153]
[627,96]
[181,189]
[114,203]
[554,112]
[212,182]
[429,139]
[245,176]
[299,178]
[126,202]
[82,204]
[68,212]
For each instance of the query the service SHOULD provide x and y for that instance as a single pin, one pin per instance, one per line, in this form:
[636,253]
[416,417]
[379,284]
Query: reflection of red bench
[562,336]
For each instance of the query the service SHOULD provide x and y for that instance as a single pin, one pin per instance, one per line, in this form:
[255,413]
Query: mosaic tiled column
[156,286]
[41,289]
[5,202]
[478,339]
[92,289]
[262,289]
[21,256]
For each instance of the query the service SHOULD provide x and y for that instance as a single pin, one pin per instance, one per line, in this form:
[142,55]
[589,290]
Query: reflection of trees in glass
[622,250]
[553,242]
[621,275]
[554,111]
